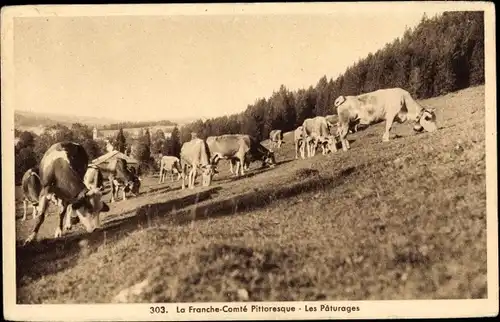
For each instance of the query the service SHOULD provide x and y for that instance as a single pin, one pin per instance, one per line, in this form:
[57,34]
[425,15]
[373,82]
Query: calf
[172,165]
[316,131]
[276,138]
[32,187]
[121,177]
[62,169]
[196,155]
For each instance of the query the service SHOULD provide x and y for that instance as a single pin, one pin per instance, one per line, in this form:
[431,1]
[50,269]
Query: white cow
[391,104]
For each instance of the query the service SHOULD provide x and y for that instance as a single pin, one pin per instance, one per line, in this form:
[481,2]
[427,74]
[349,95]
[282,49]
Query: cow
[31,187]
[62,169]
[121,177]
[93,178]
[316,131]
[298,138]
[390,104]
[172,165]
[195,154]
[240,149]
[276,138]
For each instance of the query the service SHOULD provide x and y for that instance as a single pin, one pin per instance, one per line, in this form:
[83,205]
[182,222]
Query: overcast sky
[146,68]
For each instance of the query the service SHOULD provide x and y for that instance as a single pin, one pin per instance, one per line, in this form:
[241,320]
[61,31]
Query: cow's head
[330,142]
[269,159]
[136,184]
[426,120]
[88,209]
[207,173]
[341,99]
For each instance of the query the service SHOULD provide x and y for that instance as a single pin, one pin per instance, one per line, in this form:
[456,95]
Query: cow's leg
[184,172]
[25,208]
[237,170]
[344,130]
[231,166]
[69,211]
[161,175]
[62,212]
[242,165]
[42,209]
[112,184]
[192,177]
[34,212]
[333,145]
[123,192]
[388,126]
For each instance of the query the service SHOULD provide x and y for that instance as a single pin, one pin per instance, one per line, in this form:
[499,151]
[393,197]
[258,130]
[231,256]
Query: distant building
[97,136]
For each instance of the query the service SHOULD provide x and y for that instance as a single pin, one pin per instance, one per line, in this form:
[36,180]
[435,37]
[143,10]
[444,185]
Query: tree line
[440,55]
[140,124]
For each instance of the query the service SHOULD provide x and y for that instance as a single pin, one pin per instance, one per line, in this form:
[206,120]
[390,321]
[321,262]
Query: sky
[136,68]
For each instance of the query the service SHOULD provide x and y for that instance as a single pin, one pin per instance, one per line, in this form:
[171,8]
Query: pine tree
[121,142]
[175,142]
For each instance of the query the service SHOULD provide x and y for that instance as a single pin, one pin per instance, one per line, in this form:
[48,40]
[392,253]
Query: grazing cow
[276,138]
[316,131]
[391,104]
[121,177]
[93,178]
[62,169]
[196,155]
[172,165]
[298,138]
[32,187]
[240,149]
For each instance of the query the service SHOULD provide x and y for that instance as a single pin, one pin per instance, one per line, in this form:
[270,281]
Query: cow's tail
[33,173]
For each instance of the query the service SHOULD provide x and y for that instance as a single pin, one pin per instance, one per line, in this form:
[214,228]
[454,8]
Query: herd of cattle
[67,179]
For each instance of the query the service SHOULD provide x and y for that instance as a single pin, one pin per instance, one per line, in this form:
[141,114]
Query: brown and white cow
[62,169]
[32,186]
[93,178]
[390,104]
[170,164]
[317,131]
[196,155]
[242,149]
[121,177]
[276,138]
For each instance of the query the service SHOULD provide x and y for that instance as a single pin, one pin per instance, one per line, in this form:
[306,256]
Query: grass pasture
[384,221]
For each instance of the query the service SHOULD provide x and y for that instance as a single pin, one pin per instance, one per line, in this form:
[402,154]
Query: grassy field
[384,221]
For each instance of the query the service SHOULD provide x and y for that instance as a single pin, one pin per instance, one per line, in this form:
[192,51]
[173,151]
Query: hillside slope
[398,220]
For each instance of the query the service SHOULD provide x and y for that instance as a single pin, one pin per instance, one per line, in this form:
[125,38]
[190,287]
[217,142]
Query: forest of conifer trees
[440,55]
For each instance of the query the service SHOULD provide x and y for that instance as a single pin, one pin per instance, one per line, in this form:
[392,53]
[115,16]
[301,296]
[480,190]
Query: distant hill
[25,120]
[37,121]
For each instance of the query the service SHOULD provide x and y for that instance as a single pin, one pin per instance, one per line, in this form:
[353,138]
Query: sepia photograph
[249,161]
